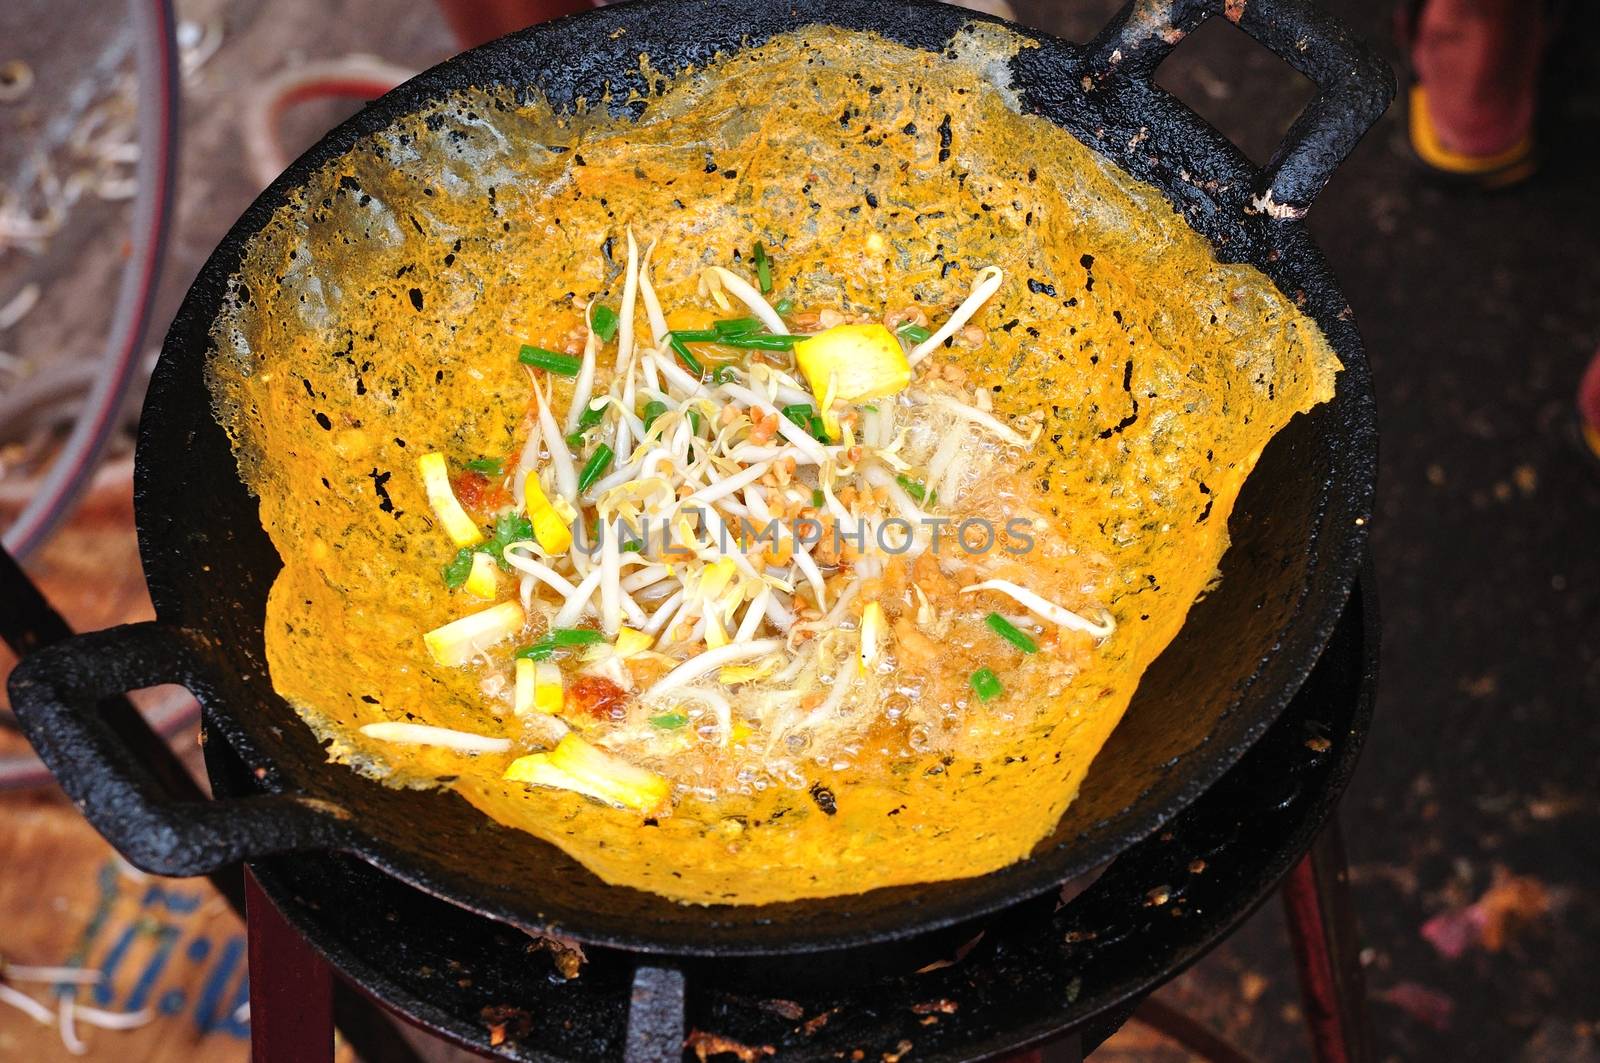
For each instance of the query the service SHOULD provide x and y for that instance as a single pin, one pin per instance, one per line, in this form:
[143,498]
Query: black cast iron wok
[1298,529]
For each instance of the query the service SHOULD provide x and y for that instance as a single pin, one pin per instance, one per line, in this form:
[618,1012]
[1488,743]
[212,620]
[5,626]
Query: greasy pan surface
[1297,529]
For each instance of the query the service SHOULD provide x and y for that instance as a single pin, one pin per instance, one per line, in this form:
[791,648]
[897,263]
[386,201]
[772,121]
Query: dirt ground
[1472,822]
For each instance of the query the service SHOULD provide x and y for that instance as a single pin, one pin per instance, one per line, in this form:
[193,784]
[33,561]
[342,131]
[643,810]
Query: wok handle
[125,780]
[1355,85]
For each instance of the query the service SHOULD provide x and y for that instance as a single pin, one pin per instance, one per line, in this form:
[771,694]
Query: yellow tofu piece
[631,643]
[552,532]
[458,642]
[873,624]
[482,579]
[457,523]
[522,692]
[549,692]
[860,361]
[578,766]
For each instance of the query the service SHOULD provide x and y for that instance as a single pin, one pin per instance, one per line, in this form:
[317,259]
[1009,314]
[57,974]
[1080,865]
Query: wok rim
[1299,644]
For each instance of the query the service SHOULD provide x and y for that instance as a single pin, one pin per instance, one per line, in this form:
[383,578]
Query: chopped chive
[738,326]
[460,566]
[669,721]
[694,422]
[551,361]
[914,333]
[768,342]
[763,268]
[682,351]
[653,409]
[577,440]
[596,468]
[632,546]
[561,638]
[784,306]
[870,408]
[1011,633]
[986,684]
[724,374]
[764,342]
[603,320]
[817,499]
[800,413]
[590,417]
[818,432]
[487,466]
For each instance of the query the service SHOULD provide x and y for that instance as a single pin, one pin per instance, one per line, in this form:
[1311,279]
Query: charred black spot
[909,129]
[322,419]
[824,799]
[380,481]
[946,138]
[1038,287]
[872,200]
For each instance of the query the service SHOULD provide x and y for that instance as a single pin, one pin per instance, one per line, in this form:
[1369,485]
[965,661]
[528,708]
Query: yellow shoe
[1500,170]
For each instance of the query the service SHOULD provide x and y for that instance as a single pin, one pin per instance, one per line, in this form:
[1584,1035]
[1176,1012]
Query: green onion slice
[800,413]
[738,326]
[551,361]
[724,374]
[562,638]
[914,333]
[676,342]
[783,306]
[653,410]
[1011,633]
[768,342]
[743,340]
[487,466]
[763,268]
[596,468]
[670,721]
[986,684]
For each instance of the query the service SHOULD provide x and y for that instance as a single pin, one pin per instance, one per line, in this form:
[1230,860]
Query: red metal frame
[291,987]
[476,21]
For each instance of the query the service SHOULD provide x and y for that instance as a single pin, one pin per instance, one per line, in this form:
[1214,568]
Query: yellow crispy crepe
[387,303]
